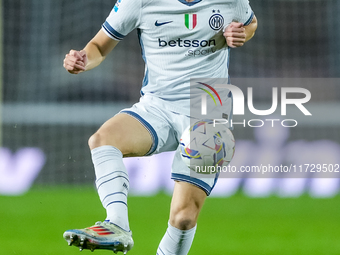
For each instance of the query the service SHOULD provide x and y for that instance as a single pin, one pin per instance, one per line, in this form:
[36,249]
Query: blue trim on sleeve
[250,19]
[149,128]
[197,182]
[116,35]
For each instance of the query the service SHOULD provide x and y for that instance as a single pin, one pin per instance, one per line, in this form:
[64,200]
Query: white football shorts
[166,127]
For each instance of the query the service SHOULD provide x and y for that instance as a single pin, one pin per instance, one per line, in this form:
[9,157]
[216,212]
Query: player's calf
[186,204]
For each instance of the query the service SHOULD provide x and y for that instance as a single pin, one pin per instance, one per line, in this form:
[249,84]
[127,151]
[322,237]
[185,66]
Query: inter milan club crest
[190,20]
[216,21]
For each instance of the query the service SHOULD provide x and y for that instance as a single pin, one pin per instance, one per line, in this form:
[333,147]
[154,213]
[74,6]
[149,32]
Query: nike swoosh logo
[161,24]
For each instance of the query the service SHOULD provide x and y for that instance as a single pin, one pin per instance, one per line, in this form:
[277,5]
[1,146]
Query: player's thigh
[187,202]
[125,133]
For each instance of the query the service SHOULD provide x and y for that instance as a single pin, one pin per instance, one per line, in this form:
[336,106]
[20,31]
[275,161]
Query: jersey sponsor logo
[190,20]
[162,23]
[197,53]
[204,47]
[216,21]
[186,43]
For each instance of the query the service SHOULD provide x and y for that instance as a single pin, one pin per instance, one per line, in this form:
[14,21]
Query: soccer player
[180,40]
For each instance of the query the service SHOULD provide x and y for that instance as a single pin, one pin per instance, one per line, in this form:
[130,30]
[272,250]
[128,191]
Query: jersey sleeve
[243,12]
[124,17]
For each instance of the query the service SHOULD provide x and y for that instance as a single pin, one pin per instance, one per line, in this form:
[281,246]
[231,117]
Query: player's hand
[75,62]
[235,35]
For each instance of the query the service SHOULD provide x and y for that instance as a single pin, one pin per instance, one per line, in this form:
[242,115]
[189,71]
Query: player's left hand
[235,35]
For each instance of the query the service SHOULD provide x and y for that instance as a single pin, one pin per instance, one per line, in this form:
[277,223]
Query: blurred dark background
[45,107]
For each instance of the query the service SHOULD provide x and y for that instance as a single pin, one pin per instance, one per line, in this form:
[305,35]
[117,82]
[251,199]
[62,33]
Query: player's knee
[95,141]
[102,138]
[183,219]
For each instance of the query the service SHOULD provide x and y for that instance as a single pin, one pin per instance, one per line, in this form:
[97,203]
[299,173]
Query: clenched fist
[75,62]
[235,35]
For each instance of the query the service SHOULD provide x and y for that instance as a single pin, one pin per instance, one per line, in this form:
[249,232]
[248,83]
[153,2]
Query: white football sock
[112,183]
[176,241]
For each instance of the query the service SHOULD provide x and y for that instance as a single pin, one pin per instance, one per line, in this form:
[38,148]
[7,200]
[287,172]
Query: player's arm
[236,34]
[91,56]
[250,29]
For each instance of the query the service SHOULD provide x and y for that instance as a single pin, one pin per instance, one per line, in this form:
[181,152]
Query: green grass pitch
[33,224]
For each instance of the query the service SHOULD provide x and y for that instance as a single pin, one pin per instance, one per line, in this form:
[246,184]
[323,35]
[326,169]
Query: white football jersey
[179,40]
